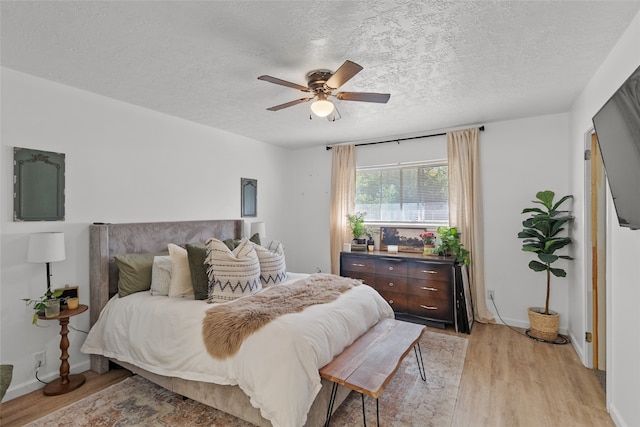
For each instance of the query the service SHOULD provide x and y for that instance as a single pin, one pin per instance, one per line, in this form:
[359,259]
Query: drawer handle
[429,271]
[358,265]
[428,307]
[390,283]
[390,268]
[425,288]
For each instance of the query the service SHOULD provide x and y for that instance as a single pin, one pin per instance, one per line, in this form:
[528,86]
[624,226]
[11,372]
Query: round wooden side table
[66,382]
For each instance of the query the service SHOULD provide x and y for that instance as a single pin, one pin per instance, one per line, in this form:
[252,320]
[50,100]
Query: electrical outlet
[490,294]
[39,359]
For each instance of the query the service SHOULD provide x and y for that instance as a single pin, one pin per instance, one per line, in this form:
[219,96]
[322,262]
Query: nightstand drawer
[391,267]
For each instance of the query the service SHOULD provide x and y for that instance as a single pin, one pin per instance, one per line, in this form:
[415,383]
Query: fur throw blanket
[226,326]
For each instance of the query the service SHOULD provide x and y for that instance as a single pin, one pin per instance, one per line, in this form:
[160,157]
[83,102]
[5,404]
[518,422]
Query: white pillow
[161,275]
[273,269]
[180,273]
[232,274]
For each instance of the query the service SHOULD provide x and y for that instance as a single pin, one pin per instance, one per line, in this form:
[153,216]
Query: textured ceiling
[445,63]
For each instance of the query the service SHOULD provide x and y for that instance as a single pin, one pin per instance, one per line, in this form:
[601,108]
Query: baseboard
[27,387]
[615,416]
[516,323]
[579,349]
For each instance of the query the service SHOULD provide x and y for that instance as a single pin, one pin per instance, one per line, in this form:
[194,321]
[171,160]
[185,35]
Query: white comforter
[277,367]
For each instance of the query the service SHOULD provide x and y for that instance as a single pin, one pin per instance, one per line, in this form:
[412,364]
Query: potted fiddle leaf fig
[542,237]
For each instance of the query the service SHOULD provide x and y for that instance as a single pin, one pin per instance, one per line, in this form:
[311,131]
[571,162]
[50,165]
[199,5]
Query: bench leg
[364,417]
[332,399]
[423,373]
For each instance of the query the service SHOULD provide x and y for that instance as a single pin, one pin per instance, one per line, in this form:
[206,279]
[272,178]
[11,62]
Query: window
[408,193]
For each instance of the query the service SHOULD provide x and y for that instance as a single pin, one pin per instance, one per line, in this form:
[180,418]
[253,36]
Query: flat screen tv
[617,125]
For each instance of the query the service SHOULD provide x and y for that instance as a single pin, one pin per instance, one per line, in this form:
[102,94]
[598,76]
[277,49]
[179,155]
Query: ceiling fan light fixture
[322,107]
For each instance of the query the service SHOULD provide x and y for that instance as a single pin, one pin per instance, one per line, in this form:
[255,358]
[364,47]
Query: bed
[196,376]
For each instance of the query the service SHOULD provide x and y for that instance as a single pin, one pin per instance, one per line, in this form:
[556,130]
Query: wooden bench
[367,365]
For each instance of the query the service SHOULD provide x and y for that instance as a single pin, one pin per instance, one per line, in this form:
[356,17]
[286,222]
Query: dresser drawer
[391,283]
[431,311]
[397,301]
[430,271]
[354,263]
[429,288]
[434,307]
[367,278]
[391,267]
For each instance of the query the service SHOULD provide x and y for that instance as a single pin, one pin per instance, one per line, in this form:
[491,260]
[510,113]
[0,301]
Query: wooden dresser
[419,288]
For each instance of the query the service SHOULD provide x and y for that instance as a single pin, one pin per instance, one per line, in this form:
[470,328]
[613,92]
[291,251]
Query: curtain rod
[329,147]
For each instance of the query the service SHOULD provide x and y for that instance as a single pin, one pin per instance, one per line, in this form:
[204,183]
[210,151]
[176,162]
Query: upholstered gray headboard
[109,240]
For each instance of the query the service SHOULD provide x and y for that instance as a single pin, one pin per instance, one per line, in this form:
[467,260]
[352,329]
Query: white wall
[623,245]
[123,164]
[518,159]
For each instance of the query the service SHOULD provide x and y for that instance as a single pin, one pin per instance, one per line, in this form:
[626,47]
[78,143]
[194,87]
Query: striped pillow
[232,274]
[273,269]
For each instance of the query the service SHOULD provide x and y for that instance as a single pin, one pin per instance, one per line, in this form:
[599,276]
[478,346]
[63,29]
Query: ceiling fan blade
[289,104]
[284,83]
[381,98]
[343,74]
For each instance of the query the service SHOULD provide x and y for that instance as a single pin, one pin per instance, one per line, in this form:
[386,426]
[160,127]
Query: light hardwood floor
[508,380]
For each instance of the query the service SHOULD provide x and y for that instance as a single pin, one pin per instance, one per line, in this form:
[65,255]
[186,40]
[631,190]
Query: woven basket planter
[544,326]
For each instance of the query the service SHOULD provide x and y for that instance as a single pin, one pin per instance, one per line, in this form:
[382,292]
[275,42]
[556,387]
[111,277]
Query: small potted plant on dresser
[358,230]
[449,244]
[541,236]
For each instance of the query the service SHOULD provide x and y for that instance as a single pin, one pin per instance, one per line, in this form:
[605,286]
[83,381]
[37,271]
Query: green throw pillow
[233,243]
[197,253]
[135,272]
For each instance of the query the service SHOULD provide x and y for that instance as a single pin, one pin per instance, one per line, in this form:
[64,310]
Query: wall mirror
[38,185]
[249,197]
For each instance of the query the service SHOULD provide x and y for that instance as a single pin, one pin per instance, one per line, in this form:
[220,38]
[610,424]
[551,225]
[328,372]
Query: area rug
[406,402]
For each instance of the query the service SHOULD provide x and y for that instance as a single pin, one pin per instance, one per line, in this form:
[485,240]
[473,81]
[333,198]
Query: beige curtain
[343,189]
[465,209]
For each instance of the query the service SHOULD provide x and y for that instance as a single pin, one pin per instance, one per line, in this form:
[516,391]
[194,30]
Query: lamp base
[55,387]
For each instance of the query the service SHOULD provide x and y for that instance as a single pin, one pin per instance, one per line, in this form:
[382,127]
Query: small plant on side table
[41,303]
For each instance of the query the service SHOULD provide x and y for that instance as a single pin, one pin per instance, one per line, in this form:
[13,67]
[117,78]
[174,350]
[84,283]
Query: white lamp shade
[46,247]
[261,229]
[322,108]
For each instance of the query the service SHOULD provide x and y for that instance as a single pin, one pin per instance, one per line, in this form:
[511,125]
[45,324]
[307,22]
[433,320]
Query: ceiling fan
[321,84]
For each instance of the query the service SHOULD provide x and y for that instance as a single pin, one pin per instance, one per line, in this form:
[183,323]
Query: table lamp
[47,248]
[261,229]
